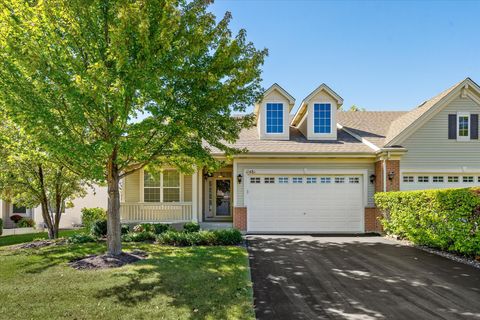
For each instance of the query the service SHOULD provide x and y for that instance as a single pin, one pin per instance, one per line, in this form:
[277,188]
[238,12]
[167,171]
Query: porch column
[195,195]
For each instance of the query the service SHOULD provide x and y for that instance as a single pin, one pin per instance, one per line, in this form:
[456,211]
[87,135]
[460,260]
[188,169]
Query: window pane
[274,118]
[171,178]
[19,209]
[151,179]
[322,116]
[463,126]
[171,194]
[151,195]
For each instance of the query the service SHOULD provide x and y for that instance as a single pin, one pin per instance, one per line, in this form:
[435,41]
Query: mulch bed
[106,261]
[38,244]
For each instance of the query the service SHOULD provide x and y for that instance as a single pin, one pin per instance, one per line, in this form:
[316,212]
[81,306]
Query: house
[70,218]
[317,170]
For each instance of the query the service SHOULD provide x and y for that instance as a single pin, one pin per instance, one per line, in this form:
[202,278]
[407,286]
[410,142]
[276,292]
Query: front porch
[167,196]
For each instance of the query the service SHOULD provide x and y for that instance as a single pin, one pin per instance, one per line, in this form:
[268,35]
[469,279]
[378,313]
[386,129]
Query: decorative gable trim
[283,92]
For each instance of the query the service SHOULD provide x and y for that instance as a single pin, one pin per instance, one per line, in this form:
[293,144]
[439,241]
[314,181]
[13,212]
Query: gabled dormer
[316,117]
[273,114]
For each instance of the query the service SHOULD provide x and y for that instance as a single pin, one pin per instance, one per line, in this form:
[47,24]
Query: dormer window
[322,118]
[274,117]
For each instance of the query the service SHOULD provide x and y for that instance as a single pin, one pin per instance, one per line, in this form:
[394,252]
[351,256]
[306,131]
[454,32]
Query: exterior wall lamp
[391,175]
[239,178]
[372,178]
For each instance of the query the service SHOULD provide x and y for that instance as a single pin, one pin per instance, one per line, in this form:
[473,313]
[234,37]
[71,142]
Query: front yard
[172,283]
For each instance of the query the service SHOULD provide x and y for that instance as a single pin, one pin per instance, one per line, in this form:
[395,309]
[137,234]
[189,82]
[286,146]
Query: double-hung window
[161,186]
[274,117]
[322,118]
[463,126]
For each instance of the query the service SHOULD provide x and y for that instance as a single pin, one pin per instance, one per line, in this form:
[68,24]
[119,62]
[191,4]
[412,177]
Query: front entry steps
[216,225]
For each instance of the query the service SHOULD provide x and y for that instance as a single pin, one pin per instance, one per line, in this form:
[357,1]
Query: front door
[223,198]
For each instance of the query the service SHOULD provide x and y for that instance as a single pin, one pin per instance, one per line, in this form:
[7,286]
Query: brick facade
[392,166]
[372,223]
[240,218]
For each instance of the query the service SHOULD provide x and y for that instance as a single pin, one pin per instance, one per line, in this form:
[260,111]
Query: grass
[173,283]
[22,238]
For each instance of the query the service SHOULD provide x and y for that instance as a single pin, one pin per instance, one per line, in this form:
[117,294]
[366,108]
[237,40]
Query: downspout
[384,164]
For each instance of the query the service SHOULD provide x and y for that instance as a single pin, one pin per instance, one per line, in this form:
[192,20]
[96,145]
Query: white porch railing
[156,212]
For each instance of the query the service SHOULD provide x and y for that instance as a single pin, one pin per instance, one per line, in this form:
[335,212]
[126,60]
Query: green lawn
[21,238]
[173,283]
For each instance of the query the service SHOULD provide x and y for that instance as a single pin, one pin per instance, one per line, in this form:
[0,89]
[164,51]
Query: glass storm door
[222,198]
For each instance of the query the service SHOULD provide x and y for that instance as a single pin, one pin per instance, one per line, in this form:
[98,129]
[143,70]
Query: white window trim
[283,117]
[313,118]
[142,186]
[463,114]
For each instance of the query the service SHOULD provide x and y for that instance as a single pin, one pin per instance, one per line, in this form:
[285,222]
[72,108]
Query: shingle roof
[409,118]
[299,144]
[371,125]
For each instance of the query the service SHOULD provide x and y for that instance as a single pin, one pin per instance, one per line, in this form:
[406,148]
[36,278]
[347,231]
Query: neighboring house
[70,218]
[317,170]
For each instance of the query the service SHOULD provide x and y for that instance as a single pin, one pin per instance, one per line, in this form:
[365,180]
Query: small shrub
[160,228]
[191,227]
[26,223]
[1,227]
[143,236]
[90,215]
[144,227]
[228,237]
[99,228]
[16,218]
[125,228]
[80,238]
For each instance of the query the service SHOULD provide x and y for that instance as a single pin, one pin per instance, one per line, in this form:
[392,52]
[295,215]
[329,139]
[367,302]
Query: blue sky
[376,55]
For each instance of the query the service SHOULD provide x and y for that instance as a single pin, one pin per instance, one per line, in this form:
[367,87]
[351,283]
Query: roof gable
[302,109]
[281,91]
[407,124]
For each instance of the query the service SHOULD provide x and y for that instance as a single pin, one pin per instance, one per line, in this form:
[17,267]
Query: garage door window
[353,180]
[423,179]
[283,180]
[452,179]
[297,180]
[325,180]
[437,179]
[269,180]
[311,180]
[408,179]
[468,179]
[254,179]
[339,179]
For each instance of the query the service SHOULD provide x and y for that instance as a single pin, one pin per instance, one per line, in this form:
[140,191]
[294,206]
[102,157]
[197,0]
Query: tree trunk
[45,207]
[114,242]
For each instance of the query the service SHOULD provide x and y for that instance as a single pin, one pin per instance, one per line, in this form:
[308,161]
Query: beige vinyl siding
[429,147]
[362,164]
[274,97]
[132,187]
[187,188]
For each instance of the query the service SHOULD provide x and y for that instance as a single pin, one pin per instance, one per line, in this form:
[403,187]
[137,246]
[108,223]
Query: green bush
[1,227]
[448,219]
[89,215]
[125,229]
[26,223]
[191,227]
[157,228]
[160,228]
[99,228]
[200,238]
[80,238]
[143,236]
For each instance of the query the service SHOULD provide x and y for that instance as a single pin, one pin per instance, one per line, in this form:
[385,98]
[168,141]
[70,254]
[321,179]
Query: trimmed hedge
[201,238]
[448,219]
[191,227]
[142,236]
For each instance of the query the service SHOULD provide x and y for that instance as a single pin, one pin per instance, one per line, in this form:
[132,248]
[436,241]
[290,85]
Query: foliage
[143,236]
[99,228]
[125,229]
[26,223]
[122,84]
[89,215]
[30,176]
[448,219]
[355,108]
[81,238]
[201,238]
[156,228]
[161,228]
[1,226]
[191,227]
[16,218]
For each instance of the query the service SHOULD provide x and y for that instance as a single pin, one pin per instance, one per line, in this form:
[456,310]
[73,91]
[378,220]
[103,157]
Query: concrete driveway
[318,277]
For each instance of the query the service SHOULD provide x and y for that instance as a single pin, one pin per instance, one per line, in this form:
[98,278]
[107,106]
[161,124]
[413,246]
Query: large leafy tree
[29,177]
[111,86]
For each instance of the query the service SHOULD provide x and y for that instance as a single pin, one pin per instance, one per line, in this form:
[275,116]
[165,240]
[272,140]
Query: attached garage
[282,203]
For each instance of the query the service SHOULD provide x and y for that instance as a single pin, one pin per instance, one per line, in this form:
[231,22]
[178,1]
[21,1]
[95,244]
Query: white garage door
[310,204]
[423,181]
